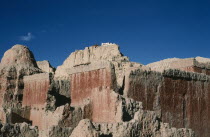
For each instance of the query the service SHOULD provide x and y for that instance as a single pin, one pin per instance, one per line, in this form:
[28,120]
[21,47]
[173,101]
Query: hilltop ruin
[99,92]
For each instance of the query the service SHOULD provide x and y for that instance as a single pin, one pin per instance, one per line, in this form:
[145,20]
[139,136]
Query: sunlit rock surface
[99,92]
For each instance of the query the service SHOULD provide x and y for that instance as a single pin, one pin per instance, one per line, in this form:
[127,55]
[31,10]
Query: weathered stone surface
[94,84]
[62,87]
[57,131]
[108,52]
[202,60]
[18,130]
[16,63]
[36,88]
[46,119]
[85,79]
[45,66]
[145,123]
[175,94]
[18,55]
[3,116]
[198,64]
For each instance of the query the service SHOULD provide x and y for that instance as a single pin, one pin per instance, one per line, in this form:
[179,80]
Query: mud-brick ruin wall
[35,90]
[95,85]
[182,98]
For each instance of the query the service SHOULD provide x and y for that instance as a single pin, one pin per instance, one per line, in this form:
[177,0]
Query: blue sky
[146,30]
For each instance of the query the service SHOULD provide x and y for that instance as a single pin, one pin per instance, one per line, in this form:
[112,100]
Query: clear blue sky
[146,30]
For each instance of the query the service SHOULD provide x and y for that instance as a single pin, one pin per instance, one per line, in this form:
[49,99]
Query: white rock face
[171,63]
[203,60]
[107,52]
[90,54]
[45,66]
[177,63]
[18,55]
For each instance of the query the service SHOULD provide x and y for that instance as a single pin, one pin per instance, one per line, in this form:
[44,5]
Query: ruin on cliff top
[99,92]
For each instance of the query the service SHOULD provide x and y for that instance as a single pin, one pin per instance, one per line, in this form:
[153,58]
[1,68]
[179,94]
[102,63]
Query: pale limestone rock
[172,63]
[203,60]
[84,129]
[182,64]
[90,54]
[16,63]
[45,66]
[18,55]
[106,52]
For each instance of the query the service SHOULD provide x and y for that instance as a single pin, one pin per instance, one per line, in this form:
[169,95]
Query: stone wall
[181,98]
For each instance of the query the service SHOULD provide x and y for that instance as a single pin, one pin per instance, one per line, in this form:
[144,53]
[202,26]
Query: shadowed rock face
[97,92]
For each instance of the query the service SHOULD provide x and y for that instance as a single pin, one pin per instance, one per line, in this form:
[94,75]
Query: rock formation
[98,92]
[45,66]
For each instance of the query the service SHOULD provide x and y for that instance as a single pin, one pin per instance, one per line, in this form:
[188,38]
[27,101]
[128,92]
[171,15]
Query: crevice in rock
[104,135]
[60,99]
[121,89]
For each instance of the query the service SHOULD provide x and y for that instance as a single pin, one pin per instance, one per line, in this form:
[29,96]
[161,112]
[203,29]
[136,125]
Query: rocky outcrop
[106,52]
[175,95]
[198,64]
[146,123]
[45,66]
[98,92]
[16,63]
[18,130]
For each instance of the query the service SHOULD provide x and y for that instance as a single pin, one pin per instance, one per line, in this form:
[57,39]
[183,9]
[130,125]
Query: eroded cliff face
[45,66]
[181,98]
[106,52]
[98,92]
[198,64]
[16,63]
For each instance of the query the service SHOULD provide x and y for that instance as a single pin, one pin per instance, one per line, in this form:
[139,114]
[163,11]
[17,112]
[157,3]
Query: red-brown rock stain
[35,93]
[94,85]
[183,103]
